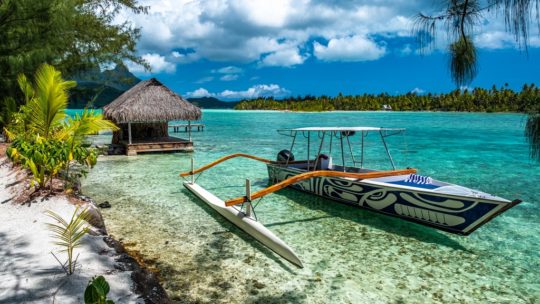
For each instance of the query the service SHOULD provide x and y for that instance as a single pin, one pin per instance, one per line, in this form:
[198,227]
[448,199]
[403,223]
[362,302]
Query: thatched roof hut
[142,114]
[150,101]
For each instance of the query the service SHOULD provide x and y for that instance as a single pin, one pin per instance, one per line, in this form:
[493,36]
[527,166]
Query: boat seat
[325,162]
[418,181]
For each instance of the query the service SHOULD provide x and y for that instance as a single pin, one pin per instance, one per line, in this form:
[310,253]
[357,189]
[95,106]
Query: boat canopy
[342,129]
[341,134]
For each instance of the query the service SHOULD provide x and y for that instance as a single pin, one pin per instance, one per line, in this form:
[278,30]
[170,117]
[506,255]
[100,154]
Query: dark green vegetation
[460,19]
[73,35]
[97,89]
[477,100]
[211,103]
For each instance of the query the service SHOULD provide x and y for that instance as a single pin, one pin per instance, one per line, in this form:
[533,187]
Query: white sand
[29,273]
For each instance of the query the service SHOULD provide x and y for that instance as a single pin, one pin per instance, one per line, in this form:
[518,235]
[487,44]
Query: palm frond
[87,123]
[68,235]
[26,87]
[47,108]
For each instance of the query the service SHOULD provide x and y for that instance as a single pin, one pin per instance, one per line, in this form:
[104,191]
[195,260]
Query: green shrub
[96,291]
[44,139]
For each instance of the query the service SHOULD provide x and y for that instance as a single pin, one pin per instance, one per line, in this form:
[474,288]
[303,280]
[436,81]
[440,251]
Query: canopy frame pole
[330,149]
[129,133]
[319,152]
[189,129]
[387,152]
[342,152]
[292,146]
[362,152]
[308,148]
[351,150]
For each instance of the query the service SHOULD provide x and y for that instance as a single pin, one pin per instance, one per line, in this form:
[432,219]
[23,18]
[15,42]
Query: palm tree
[461,18]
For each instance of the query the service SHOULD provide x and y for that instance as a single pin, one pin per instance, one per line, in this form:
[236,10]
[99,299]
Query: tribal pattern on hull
[447,213]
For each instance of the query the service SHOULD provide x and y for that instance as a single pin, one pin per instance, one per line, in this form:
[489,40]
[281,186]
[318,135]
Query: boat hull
[455,214]
[246,223]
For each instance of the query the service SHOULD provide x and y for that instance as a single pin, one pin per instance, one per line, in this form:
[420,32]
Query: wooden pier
[163,144]
[187,127]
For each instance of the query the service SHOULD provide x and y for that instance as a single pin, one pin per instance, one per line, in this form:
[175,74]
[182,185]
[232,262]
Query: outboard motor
[284,156]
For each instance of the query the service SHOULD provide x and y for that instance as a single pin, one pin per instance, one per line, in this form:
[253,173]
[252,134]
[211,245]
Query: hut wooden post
[129,132]
[189,127]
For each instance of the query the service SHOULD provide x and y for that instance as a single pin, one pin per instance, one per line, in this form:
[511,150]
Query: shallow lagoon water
[350,255]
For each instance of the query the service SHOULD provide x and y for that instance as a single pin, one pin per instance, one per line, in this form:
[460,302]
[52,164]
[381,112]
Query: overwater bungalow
[143,113]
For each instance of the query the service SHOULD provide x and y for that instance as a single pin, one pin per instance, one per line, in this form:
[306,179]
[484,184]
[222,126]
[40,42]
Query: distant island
[469,100]
[212,103]
[97,88]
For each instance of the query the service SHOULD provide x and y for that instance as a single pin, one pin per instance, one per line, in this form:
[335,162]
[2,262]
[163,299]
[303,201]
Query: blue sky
[233,49]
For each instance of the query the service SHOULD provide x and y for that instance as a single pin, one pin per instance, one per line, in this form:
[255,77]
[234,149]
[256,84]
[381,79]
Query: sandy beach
[29,273]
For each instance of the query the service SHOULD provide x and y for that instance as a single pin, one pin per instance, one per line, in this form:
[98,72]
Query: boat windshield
[350,141]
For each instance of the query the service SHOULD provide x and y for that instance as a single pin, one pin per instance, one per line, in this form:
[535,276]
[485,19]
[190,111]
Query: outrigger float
[400,193]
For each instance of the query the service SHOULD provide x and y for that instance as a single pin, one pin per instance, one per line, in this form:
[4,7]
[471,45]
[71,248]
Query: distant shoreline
[363,111]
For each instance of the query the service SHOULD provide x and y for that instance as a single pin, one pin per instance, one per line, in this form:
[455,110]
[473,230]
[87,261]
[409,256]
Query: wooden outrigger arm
[312,174]
[224,158]
[294,179]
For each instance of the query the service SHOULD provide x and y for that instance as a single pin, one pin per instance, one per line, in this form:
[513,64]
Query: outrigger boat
[400,193]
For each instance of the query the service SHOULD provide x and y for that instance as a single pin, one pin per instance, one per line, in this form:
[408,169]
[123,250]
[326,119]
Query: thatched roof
[150,101]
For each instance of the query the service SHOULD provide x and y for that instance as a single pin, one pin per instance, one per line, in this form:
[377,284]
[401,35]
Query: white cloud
[178,57]
[157,63]
[271,33]
[260,90]
[267,32]
[265,13]
[230,73]
[418,91]
[205,79]
[355,48]
[229,77]
[228,70]
[198,93]
[406,50]
[285,58]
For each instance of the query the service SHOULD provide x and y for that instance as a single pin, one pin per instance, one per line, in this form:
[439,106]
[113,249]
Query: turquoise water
[350,255]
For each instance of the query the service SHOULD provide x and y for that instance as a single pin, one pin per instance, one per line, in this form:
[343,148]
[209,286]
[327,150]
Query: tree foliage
[73,35]
[476,100]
